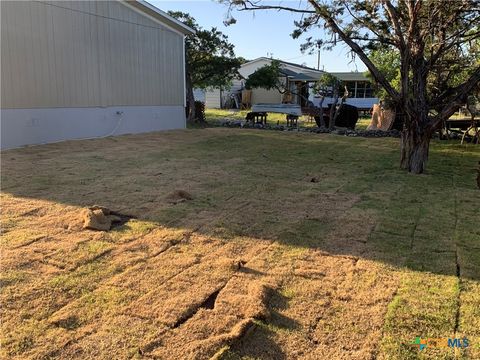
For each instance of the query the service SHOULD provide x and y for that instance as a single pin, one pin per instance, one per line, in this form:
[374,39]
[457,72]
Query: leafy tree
[329,83]
[269,77]
[210,60]
[433,38]
[388,62]
[266,77]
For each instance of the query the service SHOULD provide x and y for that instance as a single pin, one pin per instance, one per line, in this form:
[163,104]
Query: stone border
[318,130]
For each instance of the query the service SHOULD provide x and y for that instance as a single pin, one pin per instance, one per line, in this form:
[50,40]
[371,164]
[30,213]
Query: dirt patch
[102,218]
[179,196]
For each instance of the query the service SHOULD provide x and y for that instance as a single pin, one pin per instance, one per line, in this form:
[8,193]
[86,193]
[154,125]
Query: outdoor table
[292,111]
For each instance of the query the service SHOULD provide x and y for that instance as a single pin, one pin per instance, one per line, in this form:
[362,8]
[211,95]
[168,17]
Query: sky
[262,33]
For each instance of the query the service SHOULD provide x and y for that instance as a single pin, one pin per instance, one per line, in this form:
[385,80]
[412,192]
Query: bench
[257,117]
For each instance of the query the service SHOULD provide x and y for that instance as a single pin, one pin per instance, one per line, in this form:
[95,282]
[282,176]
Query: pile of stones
[234,123]
[319,130]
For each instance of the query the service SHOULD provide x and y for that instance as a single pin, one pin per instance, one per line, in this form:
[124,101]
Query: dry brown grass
[234,252]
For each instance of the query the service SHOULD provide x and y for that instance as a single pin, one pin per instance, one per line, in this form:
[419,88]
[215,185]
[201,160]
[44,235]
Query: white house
[216,98]
[297,76]
[299,80]
[82,69]
[360,89]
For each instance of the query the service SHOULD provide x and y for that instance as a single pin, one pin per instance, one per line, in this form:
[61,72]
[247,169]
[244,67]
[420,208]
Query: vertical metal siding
[57,54]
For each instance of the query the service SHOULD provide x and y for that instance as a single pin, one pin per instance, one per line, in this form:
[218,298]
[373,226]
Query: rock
[100,218]
[238,123]
[115,218]
[96,220]
[395,133]
[106,211]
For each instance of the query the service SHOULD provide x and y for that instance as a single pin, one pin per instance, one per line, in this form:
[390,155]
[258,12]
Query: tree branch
[379,77]
[272,7]
[370,27]
[460,94]
[393,15]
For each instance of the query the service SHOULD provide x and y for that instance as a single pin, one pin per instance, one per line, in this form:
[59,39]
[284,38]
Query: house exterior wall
[249,68]
[47,125]
[213,98]
[216,98]
[86,54]
[263,96]
[199,95]
[270,96]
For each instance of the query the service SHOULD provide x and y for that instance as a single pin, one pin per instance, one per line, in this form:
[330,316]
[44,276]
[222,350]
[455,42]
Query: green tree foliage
[331,85]
[327,83]
[388,62]
[266,77]
[210,59]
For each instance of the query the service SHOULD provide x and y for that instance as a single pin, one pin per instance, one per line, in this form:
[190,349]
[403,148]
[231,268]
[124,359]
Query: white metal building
[81,69]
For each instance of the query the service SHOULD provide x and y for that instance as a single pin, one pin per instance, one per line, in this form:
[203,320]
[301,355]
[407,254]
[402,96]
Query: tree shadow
[360,205]
[260,342]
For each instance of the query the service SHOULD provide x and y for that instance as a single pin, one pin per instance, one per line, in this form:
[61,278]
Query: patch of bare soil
[179,196]
[101,218]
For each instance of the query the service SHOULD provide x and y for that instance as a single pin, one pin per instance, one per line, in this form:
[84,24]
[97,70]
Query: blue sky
[257,33]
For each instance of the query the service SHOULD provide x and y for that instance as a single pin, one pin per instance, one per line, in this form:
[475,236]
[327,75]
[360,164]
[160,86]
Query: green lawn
[295,245]
[216,116]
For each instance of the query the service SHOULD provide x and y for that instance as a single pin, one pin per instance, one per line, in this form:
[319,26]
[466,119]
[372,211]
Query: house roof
[350,76]
[305,77]
[162,16]
[305,73]
[300,67]
[288,73]
[294,72]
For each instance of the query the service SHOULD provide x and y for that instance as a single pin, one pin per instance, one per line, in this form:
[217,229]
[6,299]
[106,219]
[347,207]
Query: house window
[351,88]
[363,90]
[369,91]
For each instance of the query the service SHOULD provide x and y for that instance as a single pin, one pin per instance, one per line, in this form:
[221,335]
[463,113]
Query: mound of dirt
[101,218]
[179,196]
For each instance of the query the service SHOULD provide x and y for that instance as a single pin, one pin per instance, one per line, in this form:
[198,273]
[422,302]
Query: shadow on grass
[260,342]
[259,184]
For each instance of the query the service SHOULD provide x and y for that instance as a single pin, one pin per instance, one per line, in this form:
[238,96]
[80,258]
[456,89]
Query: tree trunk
[331,120]
[418,129]
[399,120]
[414,146]
[321,120]
[190,98]
[337,112]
